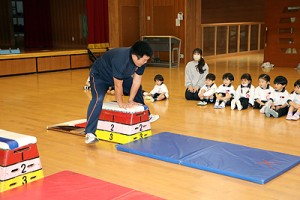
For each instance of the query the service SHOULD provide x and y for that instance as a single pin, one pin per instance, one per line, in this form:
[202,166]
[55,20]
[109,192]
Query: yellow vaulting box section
[121,138]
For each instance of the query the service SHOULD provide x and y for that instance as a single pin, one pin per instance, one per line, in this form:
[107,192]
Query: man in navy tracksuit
[123,68]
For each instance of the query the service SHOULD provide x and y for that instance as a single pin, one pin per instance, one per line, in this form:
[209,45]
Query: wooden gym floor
[29,103]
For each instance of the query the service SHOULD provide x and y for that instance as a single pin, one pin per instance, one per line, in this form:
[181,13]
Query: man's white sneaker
[153,118]
[90,138]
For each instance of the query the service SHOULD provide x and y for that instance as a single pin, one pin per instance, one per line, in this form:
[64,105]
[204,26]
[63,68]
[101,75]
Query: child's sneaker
[289,117]
[262,110]
[216,105]
[149,98]
[239,105]
[90,138]
[201,103]
[274,113]
[86,87]
[233,104]
[267,111]
[153,99]
[222,105]
[295,117]
[153,118]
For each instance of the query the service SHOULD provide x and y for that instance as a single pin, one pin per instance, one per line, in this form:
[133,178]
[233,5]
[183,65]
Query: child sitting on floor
[207,91]
[262,93]
[244,95]
[225,92]
[294,102]
[278,98]
[160,90]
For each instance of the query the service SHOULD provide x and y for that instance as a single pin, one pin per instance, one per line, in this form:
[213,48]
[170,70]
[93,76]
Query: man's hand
[128,105]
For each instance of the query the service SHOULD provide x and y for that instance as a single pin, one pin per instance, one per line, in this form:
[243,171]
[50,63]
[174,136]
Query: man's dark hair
[228,76]
[141,48]
[280,80]
[211,77]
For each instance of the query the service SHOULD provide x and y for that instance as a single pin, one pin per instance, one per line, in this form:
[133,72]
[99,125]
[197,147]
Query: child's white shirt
[279,98]
[246,92]
[263,94]
[160,89]
[209,90]
[294,97]
[226,89]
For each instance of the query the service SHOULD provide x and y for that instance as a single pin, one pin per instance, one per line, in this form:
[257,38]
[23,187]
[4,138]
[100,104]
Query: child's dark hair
[246,76]
[265,77]
[280,80]
[201,62]
[211,77]
[141,48]
[297,83]
[228,76]
[158,77]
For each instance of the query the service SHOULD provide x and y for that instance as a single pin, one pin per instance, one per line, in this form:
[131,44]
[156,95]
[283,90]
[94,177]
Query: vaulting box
[19,160]
[113,113]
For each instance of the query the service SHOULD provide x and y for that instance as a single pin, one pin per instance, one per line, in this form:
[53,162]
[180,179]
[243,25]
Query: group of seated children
[271,101]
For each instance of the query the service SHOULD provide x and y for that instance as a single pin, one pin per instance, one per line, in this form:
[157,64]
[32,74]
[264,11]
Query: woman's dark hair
[141,48]
[247,77]
[158,77]
[201,62]
[265,77]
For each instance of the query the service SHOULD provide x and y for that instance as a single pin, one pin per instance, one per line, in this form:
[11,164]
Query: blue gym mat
[255,165]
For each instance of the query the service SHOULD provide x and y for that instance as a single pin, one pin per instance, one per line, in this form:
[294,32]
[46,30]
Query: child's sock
[154,99]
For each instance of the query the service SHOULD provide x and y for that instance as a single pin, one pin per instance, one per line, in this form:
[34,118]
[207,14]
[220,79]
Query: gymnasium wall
[226,11]
[6,27]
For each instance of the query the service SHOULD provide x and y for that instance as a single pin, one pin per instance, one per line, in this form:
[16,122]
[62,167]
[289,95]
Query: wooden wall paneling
[17,66]
[80,61]
[193,32]
[224,11]
[53,63]
[113,21]
[6,27]
[282,36]
[148,18]
[179,6]
[66,19]
[129,23]
[161,21]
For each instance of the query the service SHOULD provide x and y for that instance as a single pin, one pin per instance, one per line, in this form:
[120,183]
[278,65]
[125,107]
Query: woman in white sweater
[195,73]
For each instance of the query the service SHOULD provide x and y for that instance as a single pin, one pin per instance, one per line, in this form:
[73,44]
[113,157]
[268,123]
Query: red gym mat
[69,185]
